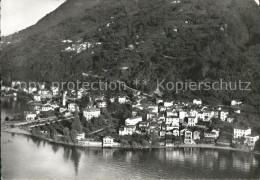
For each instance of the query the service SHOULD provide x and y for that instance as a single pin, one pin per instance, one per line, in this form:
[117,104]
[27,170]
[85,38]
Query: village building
[80,136]
[168,104]
[250,140]
[188,137]
[236,102]
[196,135]
[47,107]
[197,101]
[37,97]
[211,134]
[192,121]
[73,107]
[151,115]
[122,99]
[223,115]
[241,132]
[30,116]
[133,120]
[175,132]
[172,120]
[91,112]
[55,91]
[127,130]
[101,104]
[108,141]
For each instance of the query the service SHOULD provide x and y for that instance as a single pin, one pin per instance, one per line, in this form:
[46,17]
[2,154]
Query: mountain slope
[174,40]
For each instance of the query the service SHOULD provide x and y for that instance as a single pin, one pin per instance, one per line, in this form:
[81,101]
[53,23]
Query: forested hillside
[198,40]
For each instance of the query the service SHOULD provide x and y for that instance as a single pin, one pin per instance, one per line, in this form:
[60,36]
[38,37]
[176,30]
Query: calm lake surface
[25,157]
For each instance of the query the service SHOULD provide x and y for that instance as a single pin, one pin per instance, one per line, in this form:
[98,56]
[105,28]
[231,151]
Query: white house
[55,91]
[101,104]
[196,135]
[241,132]
[197,101]
[90,113]
[176,132]
[212,134]
[192,121]
[73,107]
[151,115]
[133,121]
[30,116]
[80,136]
[108,141]
[251,140]
[37,97]
[236,102]
[47,107]
[172,120]
[127,130]
[223,115]
[168,103]
[153,108]
[122,99]
[188,137]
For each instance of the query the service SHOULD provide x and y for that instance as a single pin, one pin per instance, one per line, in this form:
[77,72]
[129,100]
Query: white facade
[80,136]
[172,120]
[47,108]
[168,103]
[30,116]
[108,141]
[197,101]
[192,121]
[176,132]
[101,104]
[127,130]
[223,115]
[235,103]
[188,138]
[121,99]
[241,132]
[90,113]
[133,121]
[37,97]
[73,107]
[251,139]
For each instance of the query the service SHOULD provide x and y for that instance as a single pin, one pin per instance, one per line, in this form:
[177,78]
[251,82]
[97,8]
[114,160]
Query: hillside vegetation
[198,40]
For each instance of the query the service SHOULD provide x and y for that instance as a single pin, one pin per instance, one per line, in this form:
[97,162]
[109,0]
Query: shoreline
[206,146]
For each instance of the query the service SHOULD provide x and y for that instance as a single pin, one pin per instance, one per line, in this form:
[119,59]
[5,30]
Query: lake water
[25,157]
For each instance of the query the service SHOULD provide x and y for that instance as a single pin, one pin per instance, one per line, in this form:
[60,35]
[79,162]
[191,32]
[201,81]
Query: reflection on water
[25,157]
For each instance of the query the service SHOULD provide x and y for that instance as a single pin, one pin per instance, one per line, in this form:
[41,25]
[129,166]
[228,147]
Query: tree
[7,118]
[66,135]
[76,124]
[134,144]
[73,135]
[257,145]
[145,143]
[153,137]
[124,143]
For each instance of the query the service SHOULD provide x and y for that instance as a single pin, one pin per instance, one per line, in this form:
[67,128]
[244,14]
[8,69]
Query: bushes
[257,145]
